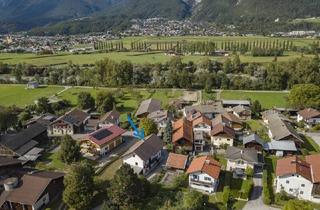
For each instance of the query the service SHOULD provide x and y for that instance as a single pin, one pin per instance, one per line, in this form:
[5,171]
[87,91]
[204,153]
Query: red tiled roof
[207,165]
[314,161]
[309,113]
[182,129]
[105,134]
[293,165]
[201,119]
[222,129]
[233,118]
[177,161]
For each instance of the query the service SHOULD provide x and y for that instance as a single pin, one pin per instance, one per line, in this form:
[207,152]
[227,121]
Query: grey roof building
[281,146]
[148,106]
[248,155]
[253,138]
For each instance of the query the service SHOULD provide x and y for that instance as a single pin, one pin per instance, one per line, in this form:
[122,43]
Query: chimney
[10,183]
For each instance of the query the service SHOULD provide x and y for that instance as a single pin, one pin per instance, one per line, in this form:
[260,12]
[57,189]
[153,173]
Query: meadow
[268,99]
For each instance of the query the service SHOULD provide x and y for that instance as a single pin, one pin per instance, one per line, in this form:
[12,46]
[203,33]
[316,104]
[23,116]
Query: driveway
[314,136]
[256,202]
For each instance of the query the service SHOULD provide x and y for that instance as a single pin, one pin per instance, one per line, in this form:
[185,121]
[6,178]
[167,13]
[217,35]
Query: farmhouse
[182,135]
[281,148]
[222,135]
[148,106]
[309,116]
[9,166]
[234,103]
[71,123]
[144,155]
[102,141]
[19,145]
[204,174]
[299,178]
[33,191]
[210,110]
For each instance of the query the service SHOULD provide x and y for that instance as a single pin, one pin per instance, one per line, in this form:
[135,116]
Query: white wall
[231,165]
[220,140]
[202,127]
[134,160]
[202,177]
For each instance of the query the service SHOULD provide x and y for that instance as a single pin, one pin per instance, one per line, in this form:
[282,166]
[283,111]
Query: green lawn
[51,161]
[267,99]
[19,96]
[257,127]
[109,172]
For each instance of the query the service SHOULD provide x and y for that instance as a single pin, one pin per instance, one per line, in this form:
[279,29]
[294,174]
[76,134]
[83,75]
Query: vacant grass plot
[268,99]
[20,96]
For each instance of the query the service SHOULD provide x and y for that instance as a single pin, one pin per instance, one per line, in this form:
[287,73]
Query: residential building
[239,159]
[309,116]
[34,191]
[160,117]
[253,141]
[228,119]
[102,141]
[234,103]
[144,155]
[204,173]
[299,178]
[110,118]
[182,134]
[71,123]
[242,112]
[208,110]
[222,135]
[45,119]
[148,106]
[9,166]
[176,162]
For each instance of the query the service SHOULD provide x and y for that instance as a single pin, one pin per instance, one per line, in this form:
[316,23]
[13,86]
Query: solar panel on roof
[101,134]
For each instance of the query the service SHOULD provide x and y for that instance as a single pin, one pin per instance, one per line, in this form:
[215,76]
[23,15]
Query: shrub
[226,194]
[266,192]
[180,181]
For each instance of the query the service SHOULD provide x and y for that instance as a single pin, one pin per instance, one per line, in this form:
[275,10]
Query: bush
[266,191]
[316,128]
[180,181]
[247,188]
[249,171]
[226,194]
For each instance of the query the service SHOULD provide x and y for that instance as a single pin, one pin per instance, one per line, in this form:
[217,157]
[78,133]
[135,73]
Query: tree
[79,186]
[85,101]
[149,126]
[70,150]
[167,135]
[193,200]
[8,118]
[105,101]
[126,190]
[43,105]
[297,205]
[305,96]
[256,108]
[227,66]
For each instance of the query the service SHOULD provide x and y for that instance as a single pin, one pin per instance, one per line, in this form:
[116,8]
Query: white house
[204,174]
[310,116]
[222,135]
[144,155]
[299,178]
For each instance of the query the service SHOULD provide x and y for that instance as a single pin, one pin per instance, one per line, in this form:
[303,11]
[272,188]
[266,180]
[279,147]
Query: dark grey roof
[4,161]
[147,148]
[281,130]
[249,155]
[236,102]
[253,138]
[21,142]
[74,117]
[280,146]
[206,109]
[148,106]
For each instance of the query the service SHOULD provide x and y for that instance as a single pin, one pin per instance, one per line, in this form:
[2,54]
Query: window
[301,192]
[303,185]
[287,182]
[136,163]
[133,155]
[207,178]
[290,190]
[195,176]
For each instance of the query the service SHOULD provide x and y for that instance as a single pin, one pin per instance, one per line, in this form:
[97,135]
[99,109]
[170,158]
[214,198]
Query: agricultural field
[268,99]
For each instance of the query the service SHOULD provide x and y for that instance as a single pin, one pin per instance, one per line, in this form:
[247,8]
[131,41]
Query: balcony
[201,183]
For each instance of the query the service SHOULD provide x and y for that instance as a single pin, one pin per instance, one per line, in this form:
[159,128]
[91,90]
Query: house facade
[309,116]
[222,135]
[204,173]
[182,134]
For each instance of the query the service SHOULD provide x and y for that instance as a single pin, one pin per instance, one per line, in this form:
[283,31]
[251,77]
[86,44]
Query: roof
[309,113]
[235,153]
[236,102]
[4,161]
[177,161]
[293,165]
[241,108]
[223,129]
[45,119]
[31,188]
[182,129]
[205,109]
[148,106]
[111,116]
[201,120]
[105,135]
[281,130]
[22,142]
[281,146]
[147,148]
[314,161]
[232,118]
[253,138]
[205,164]
[158,116]
[75,117]
[221,119]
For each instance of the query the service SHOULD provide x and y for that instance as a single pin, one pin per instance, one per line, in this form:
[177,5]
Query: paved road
[256,202]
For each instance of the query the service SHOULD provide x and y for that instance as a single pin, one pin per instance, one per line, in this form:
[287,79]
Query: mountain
[67,16]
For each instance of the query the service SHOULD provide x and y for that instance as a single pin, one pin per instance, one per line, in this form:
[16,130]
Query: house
[160,117]
[228,119]
[45,119]
[148,106]
[208,110]
[234,103]
[144,155]
[253,141]
[182,134]
[204,173]
[239,159]
[102,141]
[242,112]
[272,114]
[176,162]
[281,148]
[299,178]
[222,135]
[32,85]
[200,123]
[34,191]
[281,130]
[110,118]
[71,123]
[9,166]
[309,116]
[20,144]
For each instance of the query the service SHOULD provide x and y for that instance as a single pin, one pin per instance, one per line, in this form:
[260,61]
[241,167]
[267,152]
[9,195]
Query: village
[230,148]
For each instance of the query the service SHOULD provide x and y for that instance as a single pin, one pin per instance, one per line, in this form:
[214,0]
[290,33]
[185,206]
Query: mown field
[268,99]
